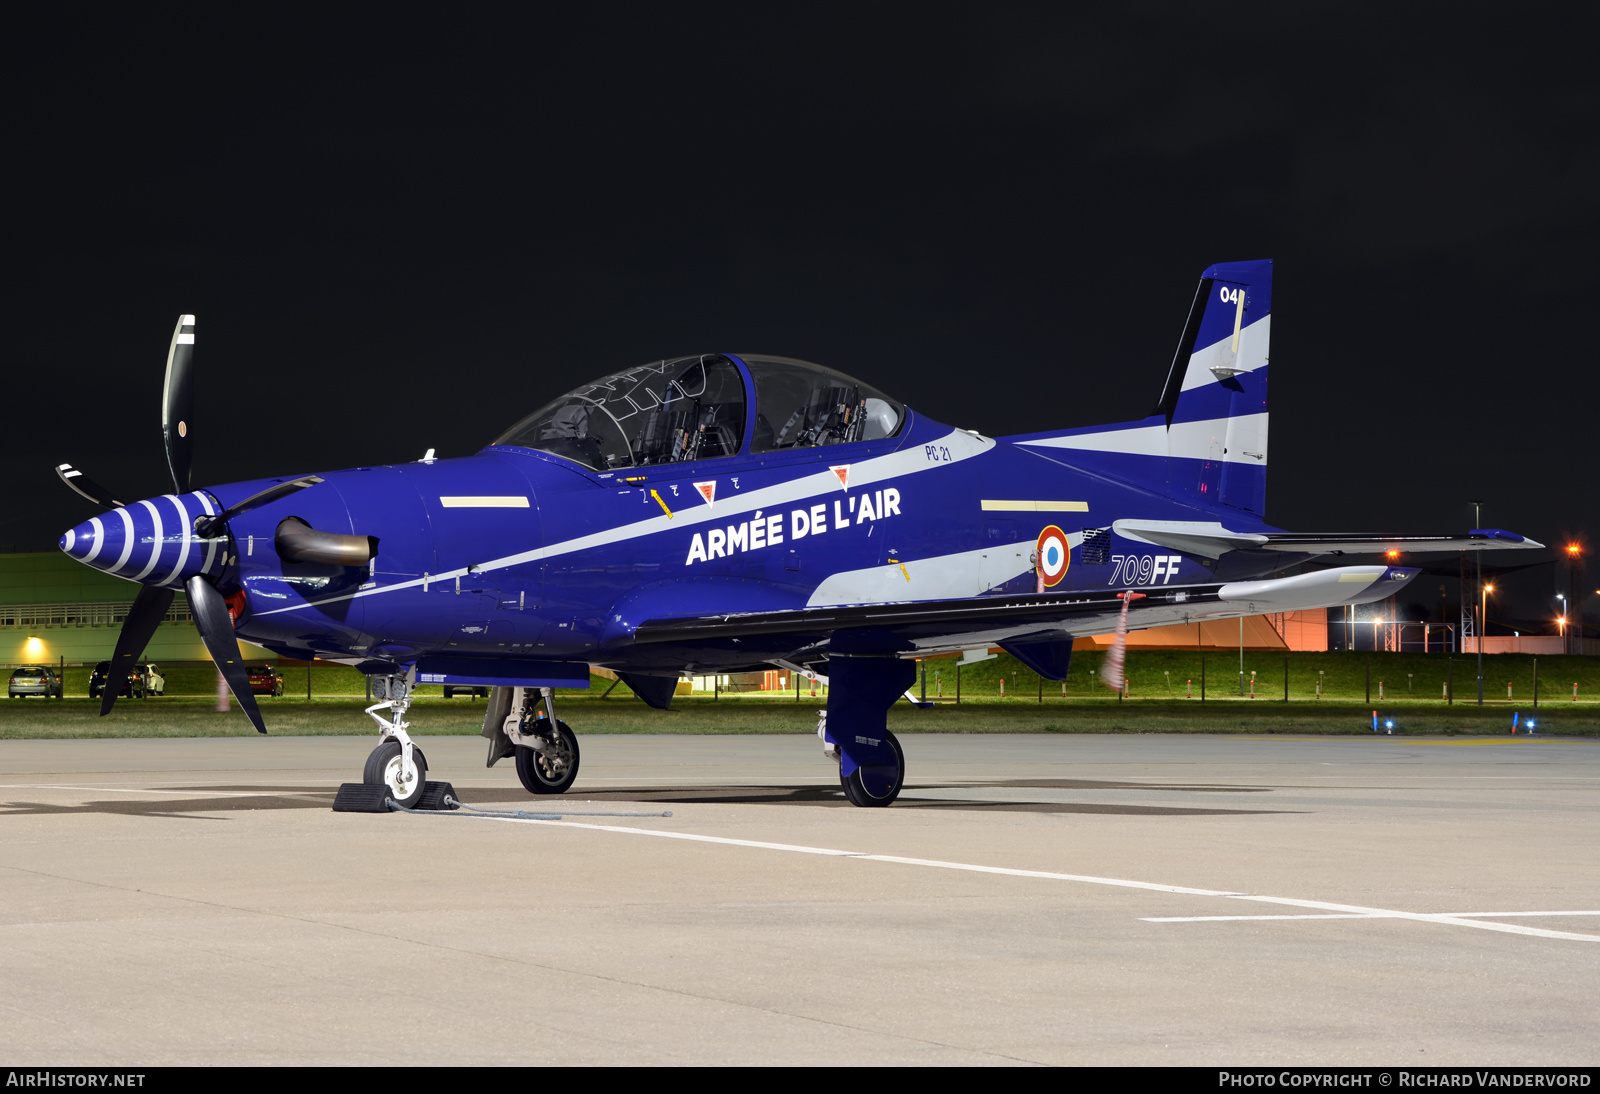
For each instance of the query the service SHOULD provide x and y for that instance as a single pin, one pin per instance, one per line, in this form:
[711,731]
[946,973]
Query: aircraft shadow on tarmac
[245,798]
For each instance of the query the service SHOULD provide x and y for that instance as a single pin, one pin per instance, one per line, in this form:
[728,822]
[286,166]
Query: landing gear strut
[546,750]
[855,726]
[396,762]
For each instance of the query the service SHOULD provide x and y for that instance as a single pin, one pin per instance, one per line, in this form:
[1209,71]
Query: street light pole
[1483,597]
[1574,556]
[1483,616]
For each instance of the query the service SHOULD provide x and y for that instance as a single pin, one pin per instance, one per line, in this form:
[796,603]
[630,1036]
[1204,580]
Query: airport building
[56,611]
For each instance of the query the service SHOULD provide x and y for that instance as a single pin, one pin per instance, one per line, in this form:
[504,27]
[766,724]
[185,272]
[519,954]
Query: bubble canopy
[682,409]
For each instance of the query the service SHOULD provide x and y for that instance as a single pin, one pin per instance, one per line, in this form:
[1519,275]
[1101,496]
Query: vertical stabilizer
[1206,441]
[1215,400]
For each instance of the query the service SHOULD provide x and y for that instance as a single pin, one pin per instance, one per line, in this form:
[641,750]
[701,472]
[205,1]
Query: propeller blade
[1111,672]
[177,404]
[254,501]
[149,608]
[211,619]
[82,484]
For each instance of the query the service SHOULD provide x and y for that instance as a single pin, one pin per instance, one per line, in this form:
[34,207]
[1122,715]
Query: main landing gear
[545,749]
[396,762]
[855,726]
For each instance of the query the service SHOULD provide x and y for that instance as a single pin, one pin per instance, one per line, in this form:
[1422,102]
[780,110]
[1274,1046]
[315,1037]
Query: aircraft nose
[150,541]
[85,538]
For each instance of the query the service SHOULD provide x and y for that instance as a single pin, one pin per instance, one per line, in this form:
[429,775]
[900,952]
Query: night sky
[404,235]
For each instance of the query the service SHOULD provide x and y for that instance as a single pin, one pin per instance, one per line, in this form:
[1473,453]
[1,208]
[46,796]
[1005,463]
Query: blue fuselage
[521,554]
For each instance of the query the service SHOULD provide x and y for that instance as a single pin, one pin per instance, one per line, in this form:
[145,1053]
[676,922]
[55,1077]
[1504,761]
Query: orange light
[1573,549]
[1488,588]
[1393,554]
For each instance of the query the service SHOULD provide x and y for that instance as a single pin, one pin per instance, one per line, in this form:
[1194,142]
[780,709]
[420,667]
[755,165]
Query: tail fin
[1215,401]
[1206,441]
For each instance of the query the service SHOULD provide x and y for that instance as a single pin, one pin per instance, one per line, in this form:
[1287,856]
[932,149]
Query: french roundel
[1054,554]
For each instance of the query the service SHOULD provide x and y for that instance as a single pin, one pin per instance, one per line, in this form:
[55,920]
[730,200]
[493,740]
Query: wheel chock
[375,798]
[362,798]
[434,795]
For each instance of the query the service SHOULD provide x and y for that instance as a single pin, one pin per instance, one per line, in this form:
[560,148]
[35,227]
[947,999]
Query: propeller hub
[152,542]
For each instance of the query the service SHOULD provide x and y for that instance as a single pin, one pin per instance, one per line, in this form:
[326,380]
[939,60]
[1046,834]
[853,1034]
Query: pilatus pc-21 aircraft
[726,512]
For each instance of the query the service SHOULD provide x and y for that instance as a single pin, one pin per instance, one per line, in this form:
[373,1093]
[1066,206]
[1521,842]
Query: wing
[956,615]
[1072,613]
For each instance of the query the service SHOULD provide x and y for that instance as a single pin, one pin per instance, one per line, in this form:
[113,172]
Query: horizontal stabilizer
[1340,543]
[1196,538]
[1209,539]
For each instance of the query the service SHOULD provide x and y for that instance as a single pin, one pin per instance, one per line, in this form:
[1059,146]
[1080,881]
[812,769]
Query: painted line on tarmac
[1355,911]
[1254,918]
[1384,738]
[142,790]
[1342,915]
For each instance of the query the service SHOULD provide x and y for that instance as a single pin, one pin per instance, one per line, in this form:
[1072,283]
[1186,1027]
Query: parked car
[134,687]
[475,692]
[265,680]
[36,680]
[154,682]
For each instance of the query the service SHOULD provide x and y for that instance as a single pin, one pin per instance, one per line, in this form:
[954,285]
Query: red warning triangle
[708,490]
[844,475]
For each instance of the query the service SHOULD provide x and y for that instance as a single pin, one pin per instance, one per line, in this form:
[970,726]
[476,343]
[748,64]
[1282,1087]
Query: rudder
[1215,399]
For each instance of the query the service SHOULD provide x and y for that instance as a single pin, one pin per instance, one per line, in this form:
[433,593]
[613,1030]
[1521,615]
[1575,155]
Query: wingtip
[1508,538]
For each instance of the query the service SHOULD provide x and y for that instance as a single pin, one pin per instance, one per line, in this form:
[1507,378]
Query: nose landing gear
[396,763]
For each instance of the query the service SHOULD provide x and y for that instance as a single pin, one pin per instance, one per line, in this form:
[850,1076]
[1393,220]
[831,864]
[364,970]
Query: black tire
[873,787]
[383,764]
[538,771]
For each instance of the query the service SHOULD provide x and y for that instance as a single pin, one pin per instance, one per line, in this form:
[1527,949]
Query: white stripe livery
[894,465]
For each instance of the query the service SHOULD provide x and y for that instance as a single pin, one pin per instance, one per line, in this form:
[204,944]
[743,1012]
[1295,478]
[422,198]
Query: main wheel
[550,771]
[877,784]
[384,768]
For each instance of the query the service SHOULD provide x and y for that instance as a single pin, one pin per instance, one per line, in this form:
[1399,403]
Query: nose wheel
[386,765]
